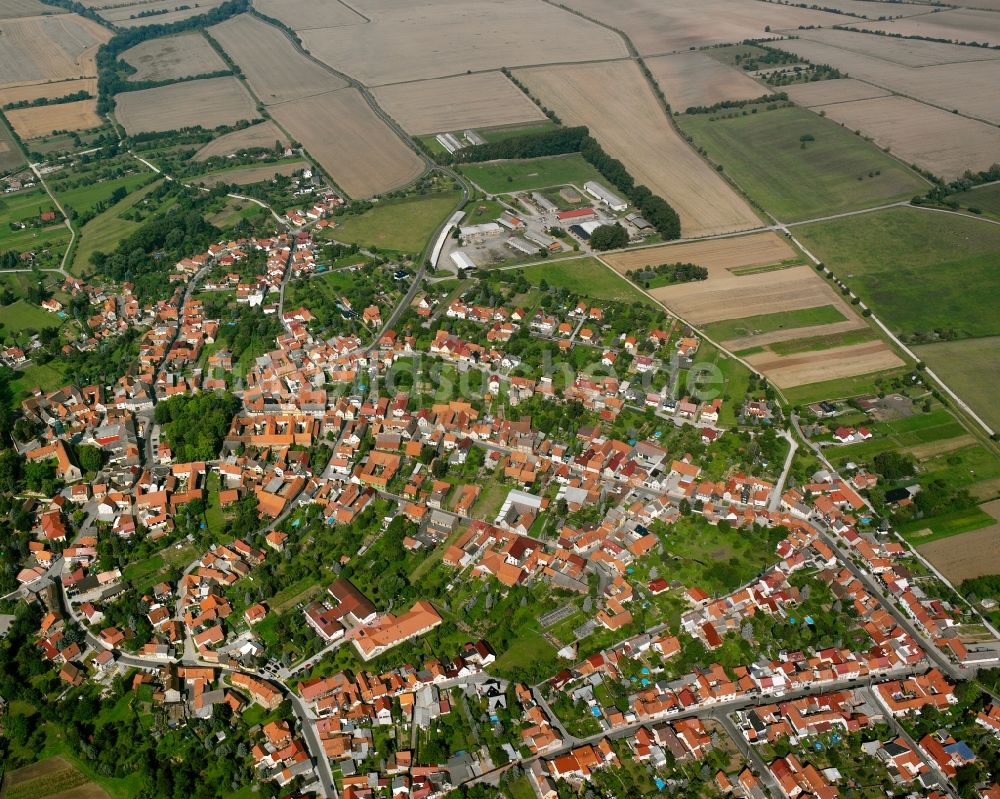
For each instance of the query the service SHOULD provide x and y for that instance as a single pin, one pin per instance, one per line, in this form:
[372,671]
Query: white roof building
[605,195]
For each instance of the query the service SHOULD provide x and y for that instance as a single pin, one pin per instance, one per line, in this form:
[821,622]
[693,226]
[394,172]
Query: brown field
[787,371]
[276,71]
[128,16]
[356,147]
[664,26]
[616,103]
[694,78]
[961,25]
[872,9]
[11,9]
[966,555]
[36,49]
[942,143]
[438,38]
[263,134]
[208,103]
[487,99]
[173,57]
[969,87]
[306,14]
[33,91]
[716,255]
[825,92]
[250,174]
[903,52]
[931,450]
[51,778]
[726,296]
[33,123]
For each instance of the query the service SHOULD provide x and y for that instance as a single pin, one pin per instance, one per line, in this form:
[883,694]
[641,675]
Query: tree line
[83,94]
[528,145]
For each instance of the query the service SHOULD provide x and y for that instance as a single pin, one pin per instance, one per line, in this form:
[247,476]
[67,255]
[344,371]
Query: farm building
[544,203]
[522,245]
[604,195]
[481,232]
[474,138]
[576,215]
[542,239]
[461,260]
[449,142]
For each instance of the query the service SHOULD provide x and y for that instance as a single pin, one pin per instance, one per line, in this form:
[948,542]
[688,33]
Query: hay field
[717,255]
[825,92]
[353,144]
[836,363]
[33,91]
[59,47]
[208,103]
[956,25]
[903,52]
[173,57]
[966,555]
[663,26]
[263,134]
[694,78]
[728,296]
[616,103]
[969,87]
[487,99]
[33,123]
[438,38]
[971,368]
[246,175]
[306,14]
[11,9]
[942,143]
[274,68]
[170,11]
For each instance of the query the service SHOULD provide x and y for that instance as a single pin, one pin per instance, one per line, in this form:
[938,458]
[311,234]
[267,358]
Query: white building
[479,232]
[604,195]
[461,260]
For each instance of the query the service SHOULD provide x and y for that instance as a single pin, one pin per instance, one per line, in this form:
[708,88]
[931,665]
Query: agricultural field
[487,99]
[105,230]
[504,177]
[986,199]
[58,47]
[403,226]
[26,8]
[963,554]
[832,363]
[766,329]
[167,11]
[663,26]
[825,92]
[616,103]
[205,103]
[438,38]
[274,68]
[587,277]
[694,78]
[260,136]
[246,175]
[952,25]
[918,270]
[971,368]
[11,157]
[33,123]
[308,14]
[362,154]
[915,131]
[173,57]
[51,777]
[797,165]
[16,94]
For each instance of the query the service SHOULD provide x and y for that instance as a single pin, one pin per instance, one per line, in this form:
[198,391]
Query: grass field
[920,271]
[768,323]
[104,231]
[945,525]
[588,277]
[11,156]
[815,343]
[986,199]
[841,388]
[48,377]
[500,177]
[910,431]
[21,315]
[525,652]
[764,153]
[21,206]
[401,225]
[83,198]
[971,368]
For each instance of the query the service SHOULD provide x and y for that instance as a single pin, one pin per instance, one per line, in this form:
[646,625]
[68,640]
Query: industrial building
[449,141]
[474,138]
[542,239]
[522,245]
[545,204]
[462,261]
[479,232]
[605,195]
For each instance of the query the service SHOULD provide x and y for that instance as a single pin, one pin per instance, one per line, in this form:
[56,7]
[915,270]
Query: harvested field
[438,38]
[793,334]
[935,448]
[276,71]
[11,156]
[11,9]
[208,103]
[694,78]
[822,365]
[662,26]
[942,143]
[353,144]
[33,91]
[730,297]
[263,134]
[971,368]
[167,11]
[59,47]
[246,175]
[306,14]
[716,255]
[487,99]
[32,123]
[51,778]
[173,57]
[616,103]
[968,87]
[825,92]
[871,9]
[966,555]
[954,25]
[901,52]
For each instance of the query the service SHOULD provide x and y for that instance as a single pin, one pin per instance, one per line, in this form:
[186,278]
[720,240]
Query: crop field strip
[963,555]
[168,11]
[958,25]
[263,134]
[249,174]
[696,79]
[32,123]
[208,103]
[33,91]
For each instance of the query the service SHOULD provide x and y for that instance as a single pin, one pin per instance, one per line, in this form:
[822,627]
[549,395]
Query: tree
[609,237]
[91,459]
